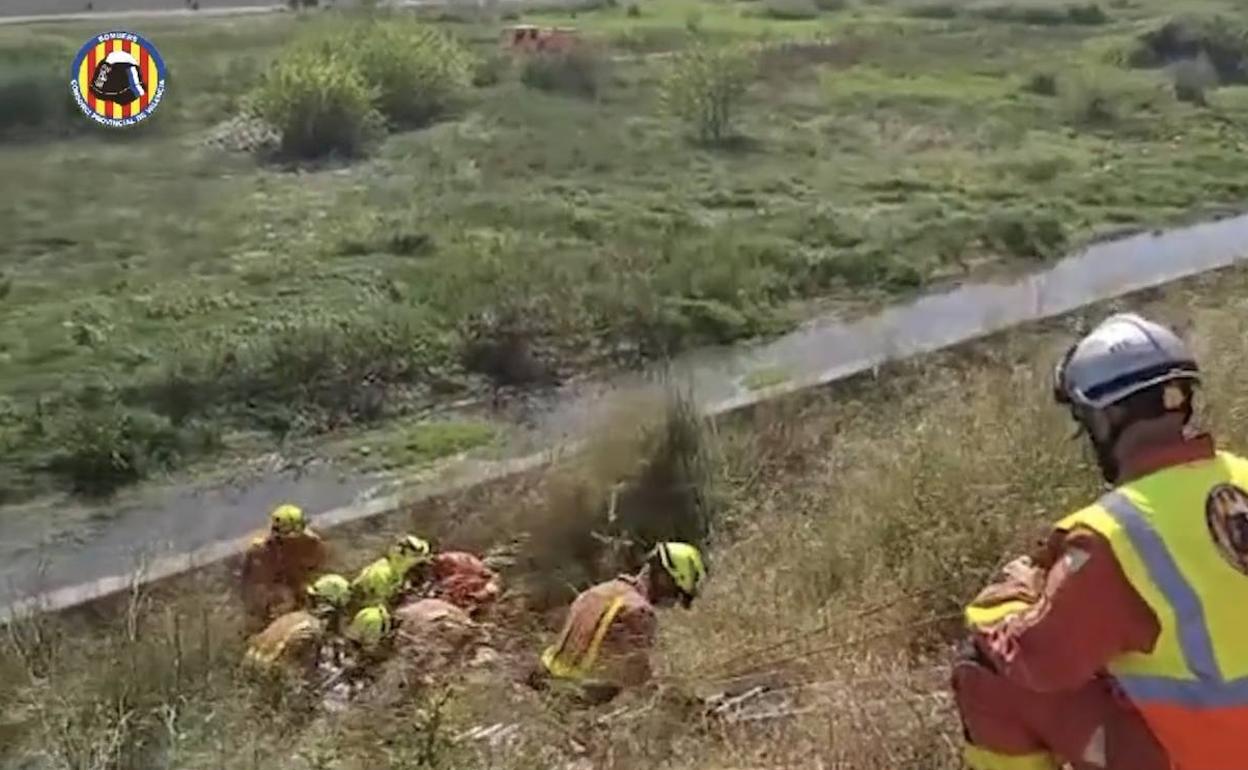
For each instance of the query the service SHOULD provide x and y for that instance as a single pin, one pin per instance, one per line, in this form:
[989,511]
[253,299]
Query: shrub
[577,71]
[1090,100]
[319,103]
[704,87]
[1046,15]
[309,372]
[105,446]
[634,11]
[933,10]
[791,10]
[1021,233]
[1192,77]
[1089,14]
[693,22]
[33,96]
[1222,41]
[1041,84]
[419,71]
[491,70]
[642,480]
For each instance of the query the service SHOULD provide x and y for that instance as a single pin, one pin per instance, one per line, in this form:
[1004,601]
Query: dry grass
[845,528]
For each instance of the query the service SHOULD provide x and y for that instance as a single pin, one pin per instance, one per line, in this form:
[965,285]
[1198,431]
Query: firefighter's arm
[1085,614]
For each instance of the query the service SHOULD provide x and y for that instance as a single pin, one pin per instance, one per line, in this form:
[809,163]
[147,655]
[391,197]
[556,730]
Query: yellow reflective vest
[1192,688]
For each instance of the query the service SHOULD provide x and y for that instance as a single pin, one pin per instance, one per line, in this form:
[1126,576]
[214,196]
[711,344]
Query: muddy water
[58,545]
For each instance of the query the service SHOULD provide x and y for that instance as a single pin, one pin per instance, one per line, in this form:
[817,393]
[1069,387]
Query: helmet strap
[1103,435]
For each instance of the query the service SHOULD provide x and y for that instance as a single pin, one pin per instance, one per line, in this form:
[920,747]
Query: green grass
[844,530]
[877,153]
[413,446]
[761,379]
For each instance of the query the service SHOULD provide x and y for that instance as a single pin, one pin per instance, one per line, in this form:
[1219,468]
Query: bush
[933,10]
[634,11]
[106,446]
[693,22]
[1046,15]
[642,480]
[33,95]
[1020,233]
[1089,100]
[1041,84]
[578,71]
[704,87]
[320,105]
[1192,77]
[491,70]
[791,10]
[304,373]
[418,71]
[1090,14]
[1221,41]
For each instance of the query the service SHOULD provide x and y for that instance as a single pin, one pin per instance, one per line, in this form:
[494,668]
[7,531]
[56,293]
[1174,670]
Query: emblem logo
[1226,513]
[118,79]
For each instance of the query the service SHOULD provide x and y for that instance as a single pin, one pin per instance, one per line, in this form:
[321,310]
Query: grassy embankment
[162,301]
[845,528]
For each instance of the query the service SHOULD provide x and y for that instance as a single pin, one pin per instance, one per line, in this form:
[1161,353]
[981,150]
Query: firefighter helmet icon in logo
[118,79]
[1226,513]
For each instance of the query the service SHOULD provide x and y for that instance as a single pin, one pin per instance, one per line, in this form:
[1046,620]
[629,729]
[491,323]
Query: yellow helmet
[287,520]
[369,626]
[332,590]
[684,563]
[377,582]
[408,551]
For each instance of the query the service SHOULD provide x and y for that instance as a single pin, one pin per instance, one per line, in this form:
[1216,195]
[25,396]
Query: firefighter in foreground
[1123,642]
[296,639]
[410,565]
[606,640]
[278,566]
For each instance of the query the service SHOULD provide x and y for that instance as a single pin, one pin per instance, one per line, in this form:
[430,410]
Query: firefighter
[458,578]
[1122,643]
[278,565]
[296,638]
[383,582]
[410,566]
[610,629]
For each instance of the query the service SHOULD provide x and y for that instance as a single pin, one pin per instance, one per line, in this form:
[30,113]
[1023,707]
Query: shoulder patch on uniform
[1226,515]
[1074,559]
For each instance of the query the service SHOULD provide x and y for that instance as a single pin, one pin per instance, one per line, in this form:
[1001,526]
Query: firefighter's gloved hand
[1024,573]
[1019,581]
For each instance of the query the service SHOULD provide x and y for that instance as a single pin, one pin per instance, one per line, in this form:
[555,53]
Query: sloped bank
[722,380]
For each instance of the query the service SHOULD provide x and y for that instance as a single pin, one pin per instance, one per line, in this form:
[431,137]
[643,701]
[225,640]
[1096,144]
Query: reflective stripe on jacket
[1192,688]
[606,627]
[567,664]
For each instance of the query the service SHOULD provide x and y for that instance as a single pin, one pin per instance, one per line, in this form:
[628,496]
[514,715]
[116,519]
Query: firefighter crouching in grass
[1123,643]
[278,565]
[369,633]
[411,567]
[296,639]
[610,629]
